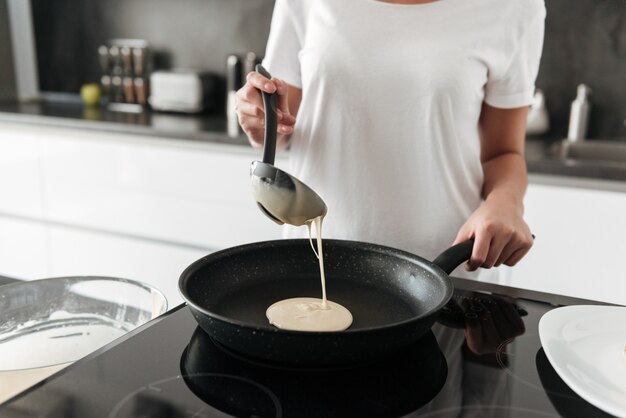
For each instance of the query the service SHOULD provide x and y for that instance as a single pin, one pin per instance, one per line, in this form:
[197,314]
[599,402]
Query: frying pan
[394,297]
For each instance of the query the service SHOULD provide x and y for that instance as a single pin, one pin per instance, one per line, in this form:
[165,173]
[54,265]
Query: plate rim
[579,388]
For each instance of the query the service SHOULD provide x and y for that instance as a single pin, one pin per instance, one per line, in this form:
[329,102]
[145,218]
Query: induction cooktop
[483,358]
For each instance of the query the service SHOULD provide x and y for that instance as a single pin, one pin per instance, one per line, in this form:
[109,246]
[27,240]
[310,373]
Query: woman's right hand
[250,111]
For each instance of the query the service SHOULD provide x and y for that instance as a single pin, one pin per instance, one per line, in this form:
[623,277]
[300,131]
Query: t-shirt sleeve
[283,45]
[515,86]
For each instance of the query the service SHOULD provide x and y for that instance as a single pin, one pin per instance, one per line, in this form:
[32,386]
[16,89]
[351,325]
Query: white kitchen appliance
[184,91]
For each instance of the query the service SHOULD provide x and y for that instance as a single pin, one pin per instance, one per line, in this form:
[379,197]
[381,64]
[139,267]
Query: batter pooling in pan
[311,314]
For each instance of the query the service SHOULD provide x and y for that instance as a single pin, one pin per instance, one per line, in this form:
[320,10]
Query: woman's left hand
[500,234]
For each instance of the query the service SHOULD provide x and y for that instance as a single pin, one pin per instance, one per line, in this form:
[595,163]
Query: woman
[407,117]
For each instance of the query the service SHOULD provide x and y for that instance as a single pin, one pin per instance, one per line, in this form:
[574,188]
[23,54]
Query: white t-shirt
[387,130]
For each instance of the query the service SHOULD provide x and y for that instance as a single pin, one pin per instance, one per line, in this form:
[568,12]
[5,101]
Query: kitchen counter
[200,128]
[170,367]
[542,158]
[7,280]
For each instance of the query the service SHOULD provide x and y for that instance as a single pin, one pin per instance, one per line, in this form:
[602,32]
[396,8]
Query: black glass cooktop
[482,359]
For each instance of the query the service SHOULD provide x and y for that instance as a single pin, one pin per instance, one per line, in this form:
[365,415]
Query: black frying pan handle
[455,256]
[271,120]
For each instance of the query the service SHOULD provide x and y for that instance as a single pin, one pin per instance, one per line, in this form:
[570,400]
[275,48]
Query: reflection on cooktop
[564,399]
[238,386]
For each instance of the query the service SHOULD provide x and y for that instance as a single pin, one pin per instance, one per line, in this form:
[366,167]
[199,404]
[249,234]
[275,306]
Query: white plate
[585,345]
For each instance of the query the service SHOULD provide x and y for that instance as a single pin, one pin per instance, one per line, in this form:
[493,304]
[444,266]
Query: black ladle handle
[271,120]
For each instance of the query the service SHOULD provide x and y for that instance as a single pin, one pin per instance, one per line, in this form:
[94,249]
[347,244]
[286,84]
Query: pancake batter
[311,314]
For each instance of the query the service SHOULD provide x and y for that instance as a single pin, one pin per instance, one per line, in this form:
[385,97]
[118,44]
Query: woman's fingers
[255,126]
[515,244]
[500,239]
[262,83]
[250,109]
[516,249]
[497,248]
[482,242]
[514,258]
[283,95]
[256,131]
[285,129]
[252,120]
[507,251]
[247,114]
[500,235]
[286,119]
[248,95]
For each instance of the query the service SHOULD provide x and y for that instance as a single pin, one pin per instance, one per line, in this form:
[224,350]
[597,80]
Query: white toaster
[182,91]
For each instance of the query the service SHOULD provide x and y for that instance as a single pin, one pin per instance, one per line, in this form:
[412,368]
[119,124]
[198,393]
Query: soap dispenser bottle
[579,114]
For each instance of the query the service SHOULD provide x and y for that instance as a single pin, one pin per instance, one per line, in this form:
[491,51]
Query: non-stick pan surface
[394,297]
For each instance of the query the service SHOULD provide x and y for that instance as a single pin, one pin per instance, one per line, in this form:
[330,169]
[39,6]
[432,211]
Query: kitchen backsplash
[585,43]
[196,34]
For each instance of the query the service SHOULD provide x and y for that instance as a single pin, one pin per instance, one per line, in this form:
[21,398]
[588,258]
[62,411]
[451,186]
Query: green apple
[90,93]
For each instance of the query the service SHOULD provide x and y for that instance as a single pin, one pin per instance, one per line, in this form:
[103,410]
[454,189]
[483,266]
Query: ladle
[279,195]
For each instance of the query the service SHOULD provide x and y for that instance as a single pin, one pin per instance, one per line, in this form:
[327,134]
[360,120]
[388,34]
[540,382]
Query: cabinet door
[21,190]
[23,249]
[580,246]
[75,252]
[155,189]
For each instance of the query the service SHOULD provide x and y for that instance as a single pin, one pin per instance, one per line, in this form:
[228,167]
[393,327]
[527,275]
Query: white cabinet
[75,252]
[580,249]
[149,188]
[20,173]
[23,248]
[80,202]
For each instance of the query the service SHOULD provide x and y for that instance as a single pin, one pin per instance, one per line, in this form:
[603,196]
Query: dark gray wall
[585,42]
[7,78]
[186,33]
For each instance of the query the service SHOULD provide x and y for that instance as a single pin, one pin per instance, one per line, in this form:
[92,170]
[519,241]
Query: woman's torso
[387,130]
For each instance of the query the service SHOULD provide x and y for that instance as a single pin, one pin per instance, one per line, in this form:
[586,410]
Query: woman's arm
[498,227]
